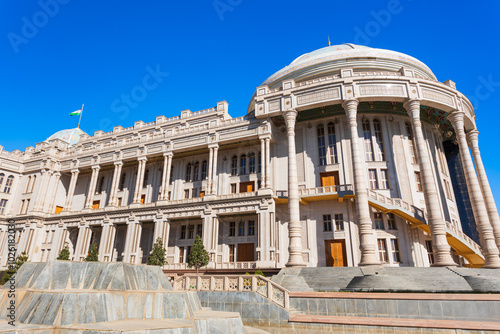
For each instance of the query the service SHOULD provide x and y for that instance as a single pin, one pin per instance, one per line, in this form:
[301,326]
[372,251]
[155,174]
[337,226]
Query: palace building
[343,159]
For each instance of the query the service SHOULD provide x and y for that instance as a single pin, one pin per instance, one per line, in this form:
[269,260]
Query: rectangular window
[196,172]
[418,181]
[195,192]
[241,229]
[181,254]
[199,230]
[391,222]
[379,222]
[119,201]
[186,193]
[233,188]
[339,222]
[384,179]
[321,145]
[332,144]
[372,175]
[396,258]
[183,232]
[234,165]
[204,167]
[327,223]
[379,139]
[382,250]
[58,209]
[232,229]
[251,163]
[430,251]
[95,205]
[232,249]
[190,231]
[448,189]
[21,209]
[26,208]
[243,164]
[251,227]
[410,143]
[367,135]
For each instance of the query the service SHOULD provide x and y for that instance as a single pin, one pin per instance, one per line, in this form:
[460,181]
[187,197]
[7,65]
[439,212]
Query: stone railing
[235,283]
[324,190]
[454,231]
[398,202]
[236,265]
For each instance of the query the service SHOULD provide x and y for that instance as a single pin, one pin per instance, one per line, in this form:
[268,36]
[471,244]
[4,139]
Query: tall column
[132,242]
[42,190]
[437,224]
[263,163]
[489,201]
[71,189]
[59,241]
[210,164]
[214,171]
[295,258]
[57,177]
[162,230]
[83,242]
[165,179]
[107,242]
[367,244]
[140,179]
[92,186]
[490,249]
[268,163]
[113,196]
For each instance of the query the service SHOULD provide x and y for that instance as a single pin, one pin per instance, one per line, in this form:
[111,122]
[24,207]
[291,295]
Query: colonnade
[485,211]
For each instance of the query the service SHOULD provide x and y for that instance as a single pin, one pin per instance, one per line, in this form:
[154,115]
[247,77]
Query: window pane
[332,144]
[367,135]
[339,222]
[384,179]
[241,229]
[327,223]
[321,145]
[379,222]
[234,165]
[251,163]
[243,164]
[251,227]
[372,174]
[379,139]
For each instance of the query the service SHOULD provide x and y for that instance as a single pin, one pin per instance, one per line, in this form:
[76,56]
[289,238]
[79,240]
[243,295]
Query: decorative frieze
[437,96]
[274,105]
[327,94]
[384,90]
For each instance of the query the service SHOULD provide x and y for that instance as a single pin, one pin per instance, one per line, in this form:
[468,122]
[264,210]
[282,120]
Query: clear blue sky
[96,52]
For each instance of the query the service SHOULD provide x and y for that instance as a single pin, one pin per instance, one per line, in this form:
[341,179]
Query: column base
[264,191]
[209,197]
[135,205]
[162,202]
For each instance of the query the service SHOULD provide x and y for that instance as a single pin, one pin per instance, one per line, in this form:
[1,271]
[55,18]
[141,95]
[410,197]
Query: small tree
[12,269]
[64,254]
[259,272]
[157,257]
[93,255]
[199,256]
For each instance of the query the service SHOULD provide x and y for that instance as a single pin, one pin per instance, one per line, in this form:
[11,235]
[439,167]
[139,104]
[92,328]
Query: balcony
[338,192]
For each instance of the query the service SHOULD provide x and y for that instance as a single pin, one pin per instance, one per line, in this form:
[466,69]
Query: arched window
[243,164]
[101,186]
[8,184]
[122,182]
[196,171]
[409,135]
[377,127]
[367,135]
[321,144]
[28,184]
[33,180]
[234,165]
[332,144]
[2,176]
[146,177]
[204,168]
[251,163]
[188,173]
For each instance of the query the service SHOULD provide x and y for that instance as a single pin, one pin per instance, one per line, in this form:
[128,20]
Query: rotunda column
[42,190]
[490,249]
[139,181]
[366,234]
[268,163]
[165,179]
[209,172]
[263,176]
[214,171]
[489,201]
[57,177]
[113,197]
[294,226]
[437,224]
[71,189]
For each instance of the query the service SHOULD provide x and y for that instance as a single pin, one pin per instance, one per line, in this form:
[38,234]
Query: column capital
[75,171]
[140,159]
[350,103]
[412,106]
[168,154]
[57,174]
[472,137]
[290,117]
[456,119]
[96,167]
[213,145]
[118,163]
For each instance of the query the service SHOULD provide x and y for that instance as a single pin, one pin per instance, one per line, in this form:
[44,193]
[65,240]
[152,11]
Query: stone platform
[93,297]
[390,279]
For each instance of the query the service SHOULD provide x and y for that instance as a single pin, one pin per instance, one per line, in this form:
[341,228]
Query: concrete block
[36,274]
[152,277]
[158,306]
[23,275]
[217,326]
[118,281]
[180,306]
[29,308]
[148,306]
[141,277]
[115,306]
[99,307]
[106,274]
[84,314]
[77,274]
[40,309]
[235,326]
[90,274]
[68,310]
[60,277]
[135,305]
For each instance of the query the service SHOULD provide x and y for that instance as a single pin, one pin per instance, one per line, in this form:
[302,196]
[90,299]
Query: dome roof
[324,61]
[70,136]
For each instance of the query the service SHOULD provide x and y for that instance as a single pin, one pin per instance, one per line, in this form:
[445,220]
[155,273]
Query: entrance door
[335,253]
[329,179]
[246,252]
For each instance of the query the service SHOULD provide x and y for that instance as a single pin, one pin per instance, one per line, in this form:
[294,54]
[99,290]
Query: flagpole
[80,118]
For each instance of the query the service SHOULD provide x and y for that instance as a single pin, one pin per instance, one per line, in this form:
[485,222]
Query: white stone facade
[337,163]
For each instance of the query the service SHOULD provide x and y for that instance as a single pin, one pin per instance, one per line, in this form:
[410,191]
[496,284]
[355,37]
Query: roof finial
[329,44]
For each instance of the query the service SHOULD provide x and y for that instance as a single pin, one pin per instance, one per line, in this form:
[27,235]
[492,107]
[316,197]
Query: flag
[76,112]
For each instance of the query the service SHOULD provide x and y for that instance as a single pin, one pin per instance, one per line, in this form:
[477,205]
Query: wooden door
[335,253]
[246,252]
[329,179]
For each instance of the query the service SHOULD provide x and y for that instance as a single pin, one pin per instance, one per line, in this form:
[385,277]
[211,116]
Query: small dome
[70,136]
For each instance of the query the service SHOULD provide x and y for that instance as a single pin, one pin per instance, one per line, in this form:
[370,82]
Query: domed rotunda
[70,136]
